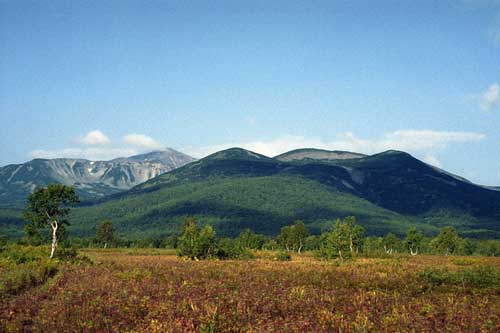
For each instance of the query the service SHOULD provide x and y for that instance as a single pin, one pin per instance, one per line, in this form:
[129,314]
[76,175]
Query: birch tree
[447,241]
[188,239]
[196,243]
[105,232]
[301,233]
[293,237]
[48,207]
[390,241]
[337,242]
[343,241]
[354,232]
[286,238]
[413,240]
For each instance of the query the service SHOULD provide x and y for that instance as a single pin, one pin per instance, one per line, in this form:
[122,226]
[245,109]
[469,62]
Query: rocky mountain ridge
[92,179]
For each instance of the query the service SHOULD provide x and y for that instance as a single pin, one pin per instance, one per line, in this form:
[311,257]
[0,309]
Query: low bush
[482,277]
[17,278]
[479,277]
[19,254]
[23,267]
[462,261]
[151,293]
[283,256]
[231,249]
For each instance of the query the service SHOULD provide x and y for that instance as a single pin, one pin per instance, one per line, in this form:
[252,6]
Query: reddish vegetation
[130,293]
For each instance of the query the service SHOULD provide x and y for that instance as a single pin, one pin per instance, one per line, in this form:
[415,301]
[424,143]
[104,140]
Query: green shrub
[71,255]
[482,277]
[478,277]
[283,256]
[23,267]
[23,276]
[462,261]
[232,249]
[435,276]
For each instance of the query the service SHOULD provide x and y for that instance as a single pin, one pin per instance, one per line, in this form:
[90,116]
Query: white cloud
[95,137]
[432,160]
[490,98]
[141,140]
[133,144]
[93,154]
[268,148]
[420,142]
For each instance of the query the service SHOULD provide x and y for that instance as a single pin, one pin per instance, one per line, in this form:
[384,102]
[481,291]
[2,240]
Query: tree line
[48,209]
[345,239]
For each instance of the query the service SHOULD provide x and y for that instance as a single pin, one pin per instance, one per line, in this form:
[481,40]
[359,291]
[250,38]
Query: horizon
[107,80]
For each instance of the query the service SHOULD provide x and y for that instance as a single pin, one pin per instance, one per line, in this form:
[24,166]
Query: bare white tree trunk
[105,244]
[413,253]
[54,226]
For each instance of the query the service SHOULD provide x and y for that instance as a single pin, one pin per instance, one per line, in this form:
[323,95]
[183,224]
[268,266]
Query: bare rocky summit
[92,179]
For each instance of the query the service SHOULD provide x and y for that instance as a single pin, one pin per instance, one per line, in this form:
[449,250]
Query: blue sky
[99,79]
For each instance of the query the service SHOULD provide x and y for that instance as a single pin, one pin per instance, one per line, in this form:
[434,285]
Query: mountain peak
[393,155]
[393,152]
[317,154]
[92,179]
[237,154]
[236,188]
[161,156]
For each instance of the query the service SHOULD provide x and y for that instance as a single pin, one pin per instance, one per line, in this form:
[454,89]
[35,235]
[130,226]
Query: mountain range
[91,179]
[236,189]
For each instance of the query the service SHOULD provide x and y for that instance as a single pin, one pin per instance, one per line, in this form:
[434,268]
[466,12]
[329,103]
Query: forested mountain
[236,189]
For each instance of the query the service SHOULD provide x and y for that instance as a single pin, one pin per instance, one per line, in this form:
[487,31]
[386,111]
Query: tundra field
[156,291]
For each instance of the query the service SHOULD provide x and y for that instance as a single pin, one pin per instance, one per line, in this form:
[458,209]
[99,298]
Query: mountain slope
[235,188]
[399,182]
[231,204]
[92,179]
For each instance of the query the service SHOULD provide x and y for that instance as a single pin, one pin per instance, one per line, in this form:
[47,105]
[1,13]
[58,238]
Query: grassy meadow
[153,290]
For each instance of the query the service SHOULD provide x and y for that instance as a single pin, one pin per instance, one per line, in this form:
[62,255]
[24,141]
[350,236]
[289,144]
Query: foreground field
[157,292]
